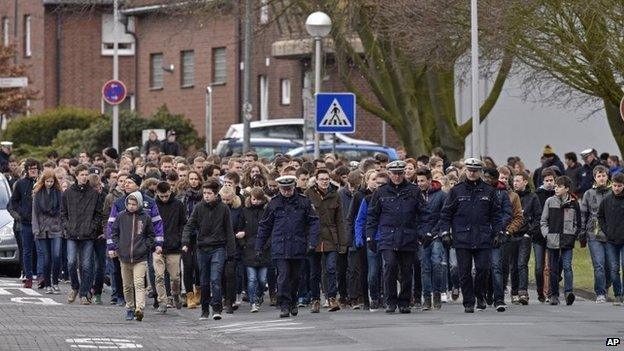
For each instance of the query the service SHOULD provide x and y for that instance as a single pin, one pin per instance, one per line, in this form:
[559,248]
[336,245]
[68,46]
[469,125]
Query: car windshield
[5,194]
[281,132]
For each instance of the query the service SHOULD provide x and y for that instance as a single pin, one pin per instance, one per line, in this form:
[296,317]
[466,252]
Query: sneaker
[284,312]
[481,305]
[554,300]
[405,310]
[216,316]
[601,299]
[176,302]
[294,310]
[229,309]
[570,299]
[316,306]
[334,305]
[444,297]
[113,301]
[523,299]
[300,302]
[541,298]
[469,309]
[239,299]
[205,315]
[374,306]
[169,302]
[391,309]
[326,303]
[40,283]
[28,284]
[455,294]
[254,308]
[515,299]
[22,278]
[500,307]
[56,290]
[437,300]
[618,301]
[98,299]
[71,297]
[162,309]
[138,314]
[489,300]
[49,290]
[85,301]
[245,297]
[426,303]
[129,315]
[356,305]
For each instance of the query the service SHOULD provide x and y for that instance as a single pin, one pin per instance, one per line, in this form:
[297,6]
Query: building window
[27,48]
[156,71]
[218,66]
[5,32]
[264,97]
[264,12]
[125,41]
[285,91]
[187,72]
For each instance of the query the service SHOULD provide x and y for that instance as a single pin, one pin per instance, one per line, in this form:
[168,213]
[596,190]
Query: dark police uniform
[400,213]
[472,214]
[293,228]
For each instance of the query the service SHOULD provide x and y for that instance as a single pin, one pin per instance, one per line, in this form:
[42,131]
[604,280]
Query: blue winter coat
[505,205]
[292,225]
[472,213]
[435,201]
[400,214]
[360,224]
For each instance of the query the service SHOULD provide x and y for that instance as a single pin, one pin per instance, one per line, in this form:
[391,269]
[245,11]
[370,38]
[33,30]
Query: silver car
[9,254]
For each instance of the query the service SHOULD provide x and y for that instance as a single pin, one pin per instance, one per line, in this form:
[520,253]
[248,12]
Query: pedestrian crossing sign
[335,112]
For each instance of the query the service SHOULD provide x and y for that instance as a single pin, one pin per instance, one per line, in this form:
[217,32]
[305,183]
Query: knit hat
[548,151]
[136,179]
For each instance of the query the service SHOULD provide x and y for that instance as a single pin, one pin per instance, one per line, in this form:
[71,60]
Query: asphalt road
[31,320]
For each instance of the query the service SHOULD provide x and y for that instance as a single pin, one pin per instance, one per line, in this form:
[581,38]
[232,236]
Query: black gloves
[499,239]
[447,240]
[583,239]
[427,240]
[372,245]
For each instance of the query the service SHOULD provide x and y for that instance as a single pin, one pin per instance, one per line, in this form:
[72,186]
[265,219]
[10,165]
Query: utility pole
[115,73]
[247,78]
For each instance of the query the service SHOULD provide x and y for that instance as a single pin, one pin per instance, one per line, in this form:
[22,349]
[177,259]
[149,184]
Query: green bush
[41,129]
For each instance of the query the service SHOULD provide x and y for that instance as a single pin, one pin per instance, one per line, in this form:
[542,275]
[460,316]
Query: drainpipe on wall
[58,56]
[15,28]
[125,22]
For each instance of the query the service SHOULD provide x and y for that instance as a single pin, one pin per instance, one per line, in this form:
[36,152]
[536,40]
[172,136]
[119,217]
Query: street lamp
[318,26]
[208,121]
[474,63]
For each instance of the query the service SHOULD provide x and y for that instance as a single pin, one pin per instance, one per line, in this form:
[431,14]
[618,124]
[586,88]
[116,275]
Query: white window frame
[6,35]
[285,91]
[27,35]
[125,41]
[156,68]
[184,68]
[216,79]
[264,98]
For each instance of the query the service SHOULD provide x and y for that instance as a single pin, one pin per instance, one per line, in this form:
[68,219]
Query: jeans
[84,248]
[288,273]
[211,265]
[598,251]
[433,268]
[374,274]
[100,265]
[553,259]
[520,264]
[331,262]
[615,257]
[395,262]
[453,270]
[498,290]
[473,287]
[417,278]
[29,244]
[256,282]
[303,280]
[52,260]
[539,252]
[64,269]
[117,280]
[358,274]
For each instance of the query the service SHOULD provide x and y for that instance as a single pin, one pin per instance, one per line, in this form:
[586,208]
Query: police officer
[472,214]
[399,211]
[292,224]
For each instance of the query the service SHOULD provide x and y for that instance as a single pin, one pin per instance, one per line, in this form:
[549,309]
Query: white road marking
[35,301]
[247,323]
[102,343]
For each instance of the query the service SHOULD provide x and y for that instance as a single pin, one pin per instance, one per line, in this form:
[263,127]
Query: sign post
[114,92]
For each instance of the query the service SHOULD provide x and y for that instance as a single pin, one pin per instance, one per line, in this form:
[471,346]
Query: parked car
[264,147]
[285,128]
[9,253]
[351,152]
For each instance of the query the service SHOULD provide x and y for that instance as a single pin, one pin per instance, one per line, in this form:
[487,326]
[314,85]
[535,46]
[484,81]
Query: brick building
[164,59]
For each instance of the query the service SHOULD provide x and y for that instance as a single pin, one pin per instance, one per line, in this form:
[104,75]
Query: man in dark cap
[399,212]
[293,226]
[171,146]
[590,161]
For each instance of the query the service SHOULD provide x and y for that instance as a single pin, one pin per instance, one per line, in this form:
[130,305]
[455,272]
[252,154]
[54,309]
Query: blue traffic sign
[114,92]
[335,112]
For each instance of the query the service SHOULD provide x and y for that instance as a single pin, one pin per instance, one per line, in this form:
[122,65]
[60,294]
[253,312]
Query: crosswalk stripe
[246,323]
[261,327]
[275,328]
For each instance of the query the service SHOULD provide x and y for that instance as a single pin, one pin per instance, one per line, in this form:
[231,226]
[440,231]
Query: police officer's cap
[286,181]
[6,143]
[396,166]
[586,152]
[473,164]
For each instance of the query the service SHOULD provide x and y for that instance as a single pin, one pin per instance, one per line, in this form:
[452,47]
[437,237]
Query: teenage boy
[173,215]
[542,270]
[561,226]
[611,219]
[215,242]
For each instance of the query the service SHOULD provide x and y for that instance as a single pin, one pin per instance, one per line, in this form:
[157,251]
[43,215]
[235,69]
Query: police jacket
[400,214]
[472,213]
[292,226]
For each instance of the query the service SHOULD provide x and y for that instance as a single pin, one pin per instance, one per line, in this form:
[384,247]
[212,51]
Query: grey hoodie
[589,210]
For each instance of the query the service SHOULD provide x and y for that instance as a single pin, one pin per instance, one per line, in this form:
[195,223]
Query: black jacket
[611,218]
[81,212]
[248,222]
[173,216]
[133,235]
[531,214]
[171,148]
[213,226]
[21,199]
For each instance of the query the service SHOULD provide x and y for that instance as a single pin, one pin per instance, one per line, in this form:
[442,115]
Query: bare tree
[13,100]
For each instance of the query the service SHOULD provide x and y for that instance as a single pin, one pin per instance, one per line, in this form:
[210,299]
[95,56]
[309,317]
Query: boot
[334,305]
[190,300]
[426,303]
[316,306]
[197,293]
[437,301]
[176,302]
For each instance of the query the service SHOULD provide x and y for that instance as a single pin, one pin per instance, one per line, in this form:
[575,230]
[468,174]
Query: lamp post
[318,25]
[115,72]
[208,121]
[474,61]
